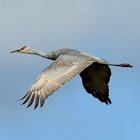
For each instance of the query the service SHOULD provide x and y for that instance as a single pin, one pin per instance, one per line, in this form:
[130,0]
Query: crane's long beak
[15,51]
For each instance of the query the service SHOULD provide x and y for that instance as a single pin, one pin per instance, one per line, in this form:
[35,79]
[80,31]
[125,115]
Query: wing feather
[27,98]
[36,101]
[53,77]
[42,99]
[31,100]
[95,80]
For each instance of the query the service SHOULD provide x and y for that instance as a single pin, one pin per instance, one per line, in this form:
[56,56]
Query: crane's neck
[49,55]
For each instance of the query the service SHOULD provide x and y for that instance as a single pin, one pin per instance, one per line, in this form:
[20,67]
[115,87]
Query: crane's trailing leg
[122,65]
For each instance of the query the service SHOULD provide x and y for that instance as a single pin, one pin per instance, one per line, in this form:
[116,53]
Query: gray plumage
[95,74]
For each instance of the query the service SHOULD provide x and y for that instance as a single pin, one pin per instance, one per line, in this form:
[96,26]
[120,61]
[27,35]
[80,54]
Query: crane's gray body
[95,74]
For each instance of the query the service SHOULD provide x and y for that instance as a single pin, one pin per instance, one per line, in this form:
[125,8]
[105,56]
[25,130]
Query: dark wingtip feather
[31,100]
[42,104]
[36,101]
[23,96]
[42,101]
[29,94]
[108,101]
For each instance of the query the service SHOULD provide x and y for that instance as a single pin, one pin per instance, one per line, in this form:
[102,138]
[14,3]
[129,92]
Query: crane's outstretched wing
[53,77]
[95,80]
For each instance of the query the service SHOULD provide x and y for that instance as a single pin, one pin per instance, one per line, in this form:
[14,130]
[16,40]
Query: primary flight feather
[95,74]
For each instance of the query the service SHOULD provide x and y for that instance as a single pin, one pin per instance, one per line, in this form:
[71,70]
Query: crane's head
[25,49]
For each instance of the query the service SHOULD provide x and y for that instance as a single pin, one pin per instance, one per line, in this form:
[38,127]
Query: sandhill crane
[95,74]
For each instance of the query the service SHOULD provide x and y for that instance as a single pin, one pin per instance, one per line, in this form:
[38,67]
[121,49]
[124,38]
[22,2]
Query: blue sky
[107,29]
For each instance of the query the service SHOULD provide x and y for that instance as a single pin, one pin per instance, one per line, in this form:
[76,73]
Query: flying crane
[94,71]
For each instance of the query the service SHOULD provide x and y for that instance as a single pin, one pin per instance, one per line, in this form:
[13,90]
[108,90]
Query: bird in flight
[94,71]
